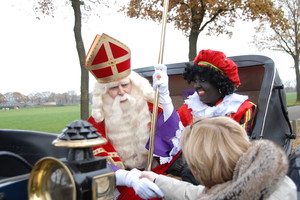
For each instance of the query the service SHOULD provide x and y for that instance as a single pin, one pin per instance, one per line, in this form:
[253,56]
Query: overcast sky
[40,55]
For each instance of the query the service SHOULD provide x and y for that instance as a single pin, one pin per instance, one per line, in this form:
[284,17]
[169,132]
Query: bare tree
[2,98]
[37,98]
[283,36]
[46,8]
[9,97]
[18,97]
[46,95]
[72,97]
[194,16]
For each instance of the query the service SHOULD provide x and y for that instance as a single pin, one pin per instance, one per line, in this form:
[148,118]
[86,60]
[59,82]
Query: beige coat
[180,190]
[260,174]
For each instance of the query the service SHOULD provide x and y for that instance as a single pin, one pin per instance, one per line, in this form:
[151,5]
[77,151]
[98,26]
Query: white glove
[161,80]
[147,189]
[142,187]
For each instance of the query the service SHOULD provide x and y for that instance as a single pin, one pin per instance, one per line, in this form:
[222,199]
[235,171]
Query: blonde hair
[212,147]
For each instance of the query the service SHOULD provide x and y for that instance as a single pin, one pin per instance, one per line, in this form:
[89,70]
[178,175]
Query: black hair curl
[215,77]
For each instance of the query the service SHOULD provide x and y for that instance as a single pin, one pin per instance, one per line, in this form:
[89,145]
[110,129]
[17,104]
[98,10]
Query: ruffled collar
[230,104]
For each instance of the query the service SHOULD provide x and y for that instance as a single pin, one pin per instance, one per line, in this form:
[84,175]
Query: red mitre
[108,59]
[219,61]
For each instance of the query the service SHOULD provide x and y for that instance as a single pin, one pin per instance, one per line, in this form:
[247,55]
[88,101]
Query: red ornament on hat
[108,59]
[219,61]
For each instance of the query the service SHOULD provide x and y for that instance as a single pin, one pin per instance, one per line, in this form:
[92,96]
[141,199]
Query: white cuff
[121,177]
[167,110]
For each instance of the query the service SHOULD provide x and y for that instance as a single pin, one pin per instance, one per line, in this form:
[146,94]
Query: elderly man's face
[120,89]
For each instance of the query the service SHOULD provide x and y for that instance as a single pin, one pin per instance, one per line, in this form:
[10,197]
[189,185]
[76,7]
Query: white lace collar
[230,104]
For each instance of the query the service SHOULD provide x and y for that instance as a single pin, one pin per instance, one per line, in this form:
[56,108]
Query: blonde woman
[220,156]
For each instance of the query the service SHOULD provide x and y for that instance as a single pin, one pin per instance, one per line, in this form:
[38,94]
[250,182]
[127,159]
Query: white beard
[128,128]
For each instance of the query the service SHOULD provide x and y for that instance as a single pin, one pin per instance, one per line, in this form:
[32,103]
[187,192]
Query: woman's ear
[196,174]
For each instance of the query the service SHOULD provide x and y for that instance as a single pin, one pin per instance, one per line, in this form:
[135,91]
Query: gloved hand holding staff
[155,106]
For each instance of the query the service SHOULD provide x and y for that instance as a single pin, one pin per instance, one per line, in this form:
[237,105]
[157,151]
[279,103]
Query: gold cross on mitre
[108,59]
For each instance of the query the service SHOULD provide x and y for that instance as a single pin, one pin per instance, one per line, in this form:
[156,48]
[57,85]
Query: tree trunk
[84,89]
[193,38]
[296,61]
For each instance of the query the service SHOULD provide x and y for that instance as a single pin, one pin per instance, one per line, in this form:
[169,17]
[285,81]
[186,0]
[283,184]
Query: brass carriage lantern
[78,176]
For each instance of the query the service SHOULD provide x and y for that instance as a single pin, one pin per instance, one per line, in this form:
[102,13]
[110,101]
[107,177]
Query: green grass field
[291,99]
[55,119]
[46,119]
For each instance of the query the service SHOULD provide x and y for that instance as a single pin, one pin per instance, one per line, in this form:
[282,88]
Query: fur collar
[257,174]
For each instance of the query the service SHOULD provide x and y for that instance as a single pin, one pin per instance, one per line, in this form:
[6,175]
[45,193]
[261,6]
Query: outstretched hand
[149,175]
[143,187]
[146,189]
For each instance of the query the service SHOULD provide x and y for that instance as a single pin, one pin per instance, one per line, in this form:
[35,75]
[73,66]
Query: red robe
[107,150]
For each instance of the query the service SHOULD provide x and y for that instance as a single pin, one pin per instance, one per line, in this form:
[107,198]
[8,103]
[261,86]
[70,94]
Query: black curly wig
[209,73]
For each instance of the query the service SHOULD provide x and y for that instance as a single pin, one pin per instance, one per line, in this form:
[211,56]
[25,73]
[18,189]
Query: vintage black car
[21,150]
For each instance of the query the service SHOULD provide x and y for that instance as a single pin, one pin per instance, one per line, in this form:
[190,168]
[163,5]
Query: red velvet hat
[108,59]
[219,61]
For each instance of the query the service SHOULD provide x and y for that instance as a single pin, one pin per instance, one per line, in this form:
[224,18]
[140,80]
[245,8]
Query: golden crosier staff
[155,106]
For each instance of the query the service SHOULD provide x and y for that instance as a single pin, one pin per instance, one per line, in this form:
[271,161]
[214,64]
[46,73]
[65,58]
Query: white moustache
[119,100]
[123,98]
